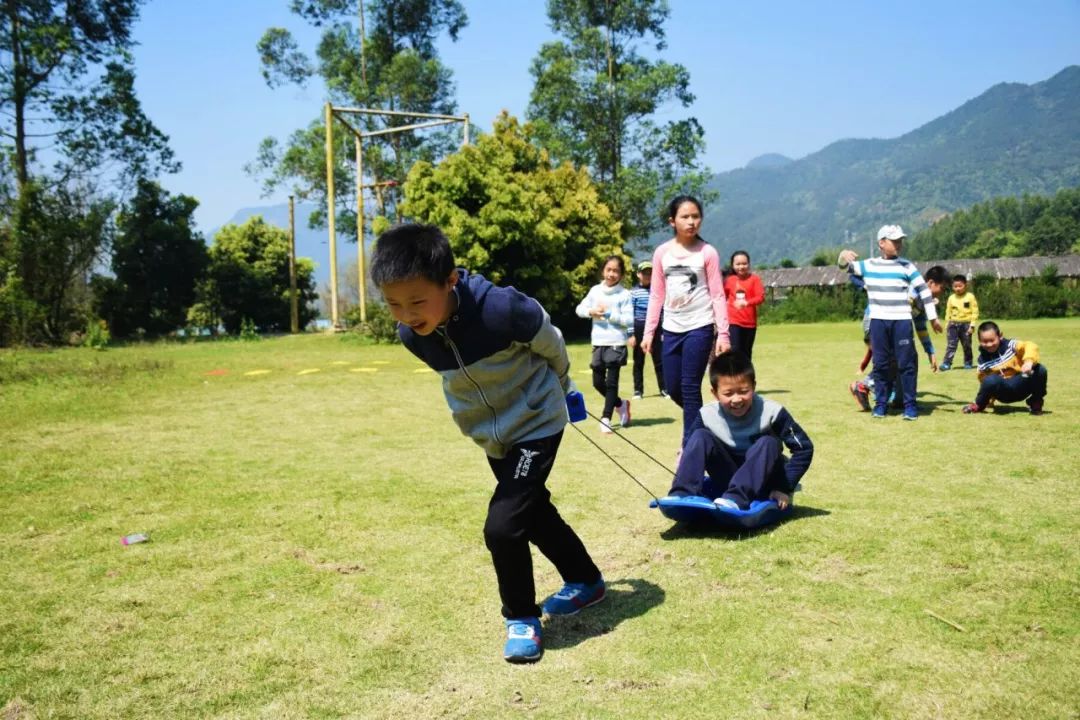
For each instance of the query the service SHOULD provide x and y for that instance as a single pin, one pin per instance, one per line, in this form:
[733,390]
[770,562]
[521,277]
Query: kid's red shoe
[861,393]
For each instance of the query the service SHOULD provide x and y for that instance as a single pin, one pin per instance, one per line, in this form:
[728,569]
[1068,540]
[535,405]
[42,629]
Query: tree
[66,97]
[157,260]
[394,67]
[516,218]
[52,240]
[67,80]
[593,103]
[248,279]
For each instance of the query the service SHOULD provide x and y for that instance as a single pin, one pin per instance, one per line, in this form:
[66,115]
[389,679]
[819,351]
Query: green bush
[380,326]
[813,304]
[97,334]
[20,316]
[248,331]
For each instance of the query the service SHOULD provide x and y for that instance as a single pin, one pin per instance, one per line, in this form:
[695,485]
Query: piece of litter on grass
[217,372]
[948,622]
[134,539]
[253,373]
[309,371]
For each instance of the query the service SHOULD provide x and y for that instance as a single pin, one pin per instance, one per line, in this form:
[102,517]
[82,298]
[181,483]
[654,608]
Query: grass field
[316,547]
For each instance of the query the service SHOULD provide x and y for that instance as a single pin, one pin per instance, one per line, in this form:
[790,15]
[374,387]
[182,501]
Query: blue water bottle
[575,406]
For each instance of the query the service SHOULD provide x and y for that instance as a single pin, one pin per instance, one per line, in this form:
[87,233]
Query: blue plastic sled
[703,511]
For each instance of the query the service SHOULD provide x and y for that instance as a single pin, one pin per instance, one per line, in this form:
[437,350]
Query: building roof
[1000,268]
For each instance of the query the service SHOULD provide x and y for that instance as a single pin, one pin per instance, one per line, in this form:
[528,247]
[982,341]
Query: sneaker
[637,396]
[624,413]
[861,394]
[605,425]
[663,393]
[972,408]
[944,366]
[725,504]
[879,412]
[575,597]
[911,413]
[969,366]
[1035,406]
[523,641]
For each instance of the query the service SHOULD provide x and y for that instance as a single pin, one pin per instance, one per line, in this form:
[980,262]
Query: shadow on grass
[777,391]
[682,531]
[627,598]
[643,422]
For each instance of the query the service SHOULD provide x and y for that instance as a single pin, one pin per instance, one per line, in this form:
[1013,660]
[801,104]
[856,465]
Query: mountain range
[1012,140]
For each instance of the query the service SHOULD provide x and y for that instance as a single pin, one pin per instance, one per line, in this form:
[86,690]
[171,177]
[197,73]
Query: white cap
[891,232]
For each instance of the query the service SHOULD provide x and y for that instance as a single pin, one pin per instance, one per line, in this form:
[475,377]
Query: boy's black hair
[959,278]
[936,274]
[674,205]
[731,363]
[411,251]
[989,325]
[622,264]
[731,262]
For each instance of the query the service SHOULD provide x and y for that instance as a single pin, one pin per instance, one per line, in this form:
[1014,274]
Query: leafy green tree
[248,279]
[67,99]
[394,66]
[51,242]
[594,100]
[157,260]
[67,80]
[516,218]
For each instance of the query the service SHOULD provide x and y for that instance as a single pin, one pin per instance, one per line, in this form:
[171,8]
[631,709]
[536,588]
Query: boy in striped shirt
[889,280]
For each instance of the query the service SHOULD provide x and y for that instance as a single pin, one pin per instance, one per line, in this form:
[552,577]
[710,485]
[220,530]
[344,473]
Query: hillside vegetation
[1012,140]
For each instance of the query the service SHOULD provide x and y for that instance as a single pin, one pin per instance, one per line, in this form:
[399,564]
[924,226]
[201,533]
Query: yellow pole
[294,313]
[360,272]
[330,215]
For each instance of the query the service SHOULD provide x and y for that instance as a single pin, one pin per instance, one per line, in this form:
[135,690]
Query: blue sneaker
[969,366]
[879,412]
[944,366]
[911,413]
[575,597]
[523,640]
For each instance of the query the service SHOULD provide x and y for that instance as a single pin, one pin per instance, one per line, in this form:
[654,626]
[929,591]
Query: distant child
[744,292]
[506,374]
[1009,371]
[739,442]
[608,304]
[639,295]
[961,314]
[935,280]
[688,287]
[889,280]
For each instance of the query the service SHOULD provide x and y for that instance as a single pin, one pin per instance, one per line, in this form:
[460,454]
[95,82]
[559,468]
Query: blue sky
[787,77]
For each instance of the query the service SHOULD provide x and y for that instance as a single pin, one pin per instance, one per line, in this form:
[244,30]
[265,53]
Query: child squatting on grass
[609,305]
[1009,371]
[506,374]
[739,440]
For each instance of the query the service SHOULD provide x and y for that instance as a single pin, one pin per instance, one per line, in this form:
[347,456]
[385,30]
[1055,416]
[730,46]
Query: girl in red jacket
[744,293]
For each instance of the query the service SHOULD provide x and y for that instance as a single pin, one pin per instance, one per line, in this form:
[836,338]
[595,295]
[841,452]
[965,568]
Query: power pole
[294,315]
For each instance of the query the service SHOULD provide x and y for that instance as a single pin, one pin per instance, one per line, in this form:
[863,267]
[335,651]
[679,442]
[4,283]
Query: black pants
[639,358]
[958,333]
[742,339]
[1014,389]
[606,364]
[521,512]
